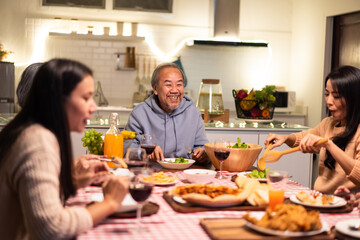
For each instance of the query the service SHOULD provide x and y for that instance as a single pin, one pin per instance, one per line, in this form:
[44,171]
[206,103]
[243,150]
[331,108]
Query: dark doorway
[346,40]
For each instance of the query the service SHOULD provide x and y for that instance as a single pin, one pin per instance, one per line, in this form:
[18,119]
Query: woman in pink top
[37,172]
[338,158]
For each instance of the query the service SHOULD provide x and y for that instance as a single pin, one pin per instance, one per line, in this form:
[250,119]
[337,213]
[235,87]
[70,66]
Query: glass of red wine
[136,157]
[221,152]
[148,142]
[140,188]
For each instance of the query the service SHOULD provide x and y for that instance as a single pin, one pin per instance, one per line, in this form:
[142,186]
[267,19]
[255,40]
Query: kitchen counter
[100,120]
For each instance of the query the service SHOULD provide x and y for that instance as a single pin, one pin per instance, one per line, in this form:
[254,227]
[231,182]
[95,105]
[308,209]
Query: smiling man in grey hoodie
[171,116]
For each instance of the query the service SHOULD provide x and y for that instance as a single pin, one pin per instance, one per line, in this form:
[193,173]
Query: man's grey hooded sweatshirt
[173,131]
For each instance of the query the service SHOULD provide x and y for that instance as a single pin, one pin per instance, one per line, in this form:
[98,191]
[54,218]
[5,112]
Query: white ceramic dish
[337,202]
[247,172]
[286,233]
[120,171]
[199,175]
[169,163]
[128,204]
[343,227]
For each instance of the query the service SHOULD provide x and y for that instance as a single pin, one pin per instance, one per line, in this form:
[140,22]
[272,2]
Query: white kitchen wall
[308,49]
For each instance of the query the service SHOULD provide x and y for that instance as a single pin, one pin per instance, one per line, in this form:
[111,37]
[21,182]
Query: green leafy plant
[258,174]
[239,144]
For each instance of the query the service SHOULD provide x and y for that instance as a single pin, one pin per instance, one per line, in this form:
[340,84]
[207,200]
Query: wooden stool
[216,117]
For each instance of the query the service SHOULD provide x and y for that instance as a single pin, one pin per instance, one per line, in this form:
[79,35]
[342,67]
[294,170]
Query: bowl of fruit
[255,104]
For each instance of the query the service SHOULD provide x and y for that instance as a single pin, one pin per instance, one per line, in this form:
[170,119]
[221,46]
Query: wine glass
[221,152]
[148,142]
[136,157]
[140,188]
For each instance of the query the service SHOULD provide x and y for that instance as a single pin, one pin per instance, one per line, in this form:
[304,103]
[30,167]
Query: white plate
[179,199]
[343,227]
[169,163]
[337,202]
[286,233]
[128,204]
[245,173]
[167,183]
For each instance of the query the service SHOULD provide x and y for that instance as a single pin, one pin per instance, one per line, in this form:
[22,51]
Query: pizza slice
[209,195]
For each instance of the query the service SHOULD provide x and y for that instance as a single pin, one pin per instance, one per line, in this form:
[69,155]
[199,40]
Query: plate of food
[289,220]
[349,227]
[160,179]
[208,195]
[176,163]
[256,174]
[317,200]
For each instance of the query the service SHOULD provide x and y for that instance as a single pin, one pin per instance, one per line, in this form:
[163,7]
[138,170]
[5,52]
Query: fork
[189,150]
[274,155]
[118,162]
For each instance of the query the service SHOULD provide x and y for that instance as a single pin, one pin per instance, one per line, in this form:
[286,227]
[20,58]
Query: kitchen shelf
[96,37]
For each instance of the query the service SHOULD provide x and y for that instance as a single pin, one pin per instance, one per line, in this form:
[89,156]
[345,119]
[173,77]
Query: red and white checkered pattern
[174,225]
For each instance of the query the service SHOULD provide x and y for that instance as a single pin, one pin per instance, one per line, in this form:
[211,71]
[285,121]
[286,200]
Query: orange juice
[275,197]
[113,147]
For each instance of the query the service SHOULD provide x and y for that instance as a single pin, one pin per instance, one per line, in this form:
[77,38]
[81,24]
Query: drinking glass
[140,188]
[148,142]
[277,179]
[221,152]
[136,157]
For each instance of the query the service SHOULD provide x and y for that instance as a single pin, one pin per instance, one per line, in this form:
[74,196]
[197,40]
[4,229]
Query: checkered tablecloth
[168,224]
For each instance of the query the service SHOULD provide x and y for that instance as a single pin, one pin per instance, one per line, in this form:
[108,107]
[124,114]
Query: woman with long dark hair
[338,158]
[36,165]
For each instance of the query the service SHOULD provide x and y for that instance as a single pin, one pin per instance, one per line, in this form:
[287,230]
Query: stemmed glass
[148,142]
[221,152]
[140,188]
[136,157]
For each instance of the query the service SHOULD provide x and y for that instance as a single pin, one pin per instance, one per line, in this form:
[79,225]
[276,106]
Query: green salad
[258,174]
[181,160]
[239,144]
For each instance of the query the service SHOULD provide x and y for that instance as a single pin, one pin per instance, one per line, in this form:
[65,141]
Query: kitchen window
[75,3]
[164,6]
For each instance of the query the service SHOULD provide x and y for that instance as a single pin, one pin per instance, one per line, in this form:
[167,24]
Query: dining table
[168,223]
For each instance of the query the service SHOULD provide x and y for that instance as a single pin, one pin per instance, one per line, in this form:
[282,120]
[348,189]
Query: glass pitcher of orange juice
[113,142]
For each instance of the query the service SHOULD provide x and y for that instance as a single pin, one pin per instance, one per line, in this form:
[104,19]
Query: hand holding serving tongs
[271,156]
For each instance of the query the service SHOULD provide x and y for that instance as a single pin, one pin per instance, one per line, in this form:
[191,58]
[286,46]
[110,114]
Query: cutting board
[234,228]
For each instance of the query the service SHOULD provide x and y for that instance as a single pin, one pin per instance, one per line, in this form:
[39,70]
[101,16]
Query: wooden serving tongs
[274,155]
